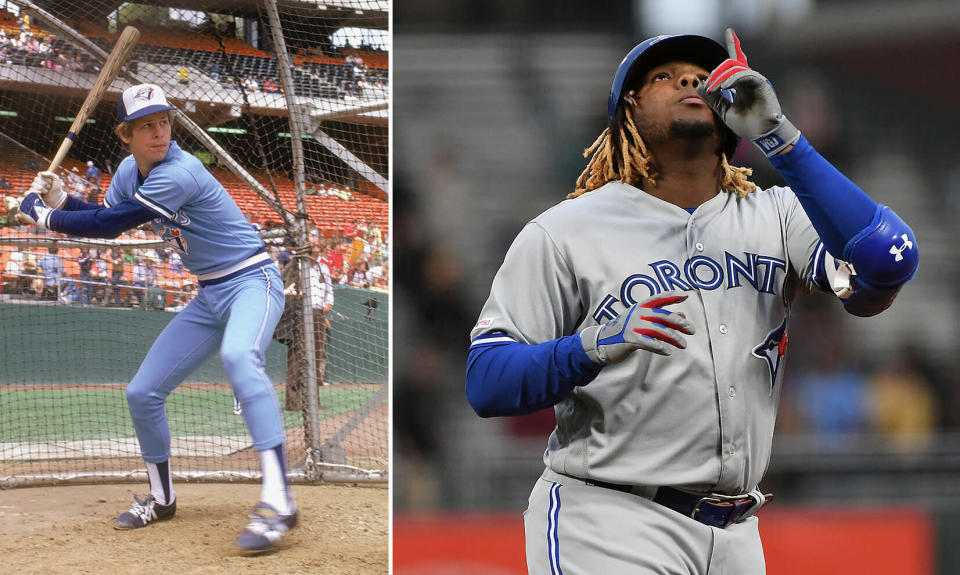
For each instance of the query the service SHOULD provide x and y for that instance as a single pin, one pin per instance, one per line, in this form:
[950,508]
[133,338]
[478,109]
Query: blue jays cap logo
[143,94]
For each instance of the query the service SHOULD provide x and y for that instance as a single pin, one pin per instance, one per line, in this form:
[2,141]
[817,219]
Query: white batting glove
[33,211]
[49,186]
[646,325]
[754,112]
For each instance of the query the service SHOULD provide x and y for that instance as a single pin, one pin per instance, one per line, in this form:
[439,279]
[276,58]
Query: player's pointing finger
[733,46]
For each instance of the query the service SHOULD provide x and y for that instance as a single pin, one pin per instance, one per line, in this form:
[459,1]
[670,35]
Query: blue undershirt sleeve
[100,222]
[517,379]
[76,204]
[837,208]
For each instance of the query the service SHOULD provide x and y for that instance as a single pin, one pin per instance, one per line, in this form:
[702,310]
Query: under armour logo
[898,251]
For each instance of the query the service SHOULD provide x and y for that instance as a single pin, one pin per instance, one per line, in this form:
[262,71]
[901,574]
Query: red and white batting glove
[646,325]
[754,111]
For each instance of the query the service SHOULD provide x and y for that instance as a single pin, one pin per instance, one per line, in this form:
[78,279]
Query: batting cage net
[286,103]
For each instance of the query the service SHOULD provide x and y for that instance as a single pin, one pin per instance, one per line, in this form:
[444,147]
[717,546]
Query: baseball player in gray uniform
[650,310]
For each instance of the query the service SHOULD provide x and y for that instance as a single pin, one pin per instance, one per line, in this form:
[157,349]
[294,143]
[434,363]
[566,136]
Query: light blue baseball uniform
[198,218]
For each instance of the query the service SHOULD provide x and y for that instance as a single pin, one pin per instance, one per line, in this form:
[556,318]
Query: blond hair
[620,154]
[124,130]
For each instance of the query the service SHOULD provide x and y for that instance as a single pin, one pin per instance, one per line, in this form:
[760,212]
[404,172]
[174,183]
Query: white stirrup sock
[275,490]
[161,482]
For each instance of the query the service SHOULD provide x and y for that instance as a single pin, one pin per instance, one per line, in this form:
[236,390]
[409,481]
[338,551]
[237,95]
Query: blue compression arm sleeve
[516,379]
[854,228]
[76,204]
[837,208]
[101,222]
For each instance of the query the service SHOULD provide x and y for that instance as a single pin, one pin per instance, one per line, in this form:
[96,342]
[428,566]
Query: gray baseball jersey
[702,418]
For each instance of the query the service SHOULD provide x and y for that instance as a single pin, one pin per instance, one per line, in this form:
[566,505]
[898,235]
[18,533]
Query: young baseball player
[235,311]
[650,310]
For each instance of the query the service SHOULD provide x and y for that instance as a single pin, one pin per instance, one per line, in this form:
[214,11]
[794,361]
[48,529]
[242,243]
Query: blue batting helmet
[659,50]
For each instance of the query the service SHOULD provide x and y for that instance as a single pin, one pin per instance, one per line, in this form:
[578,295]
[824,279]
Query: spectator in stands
[12,273]
[86,261]
[100,271]
[183,75]
[32,46]
[51,266]
[250,84]
[270,86]
[75,184]
[322,300]
[183,296]
[144,277]
[4,184]
[360,276]
[116,275]
[77,65]
[175,263]
[902,401]
[335,257]
[93,174]
[379,276]
[64,61]
[831,397]
[350,231]
[32,283]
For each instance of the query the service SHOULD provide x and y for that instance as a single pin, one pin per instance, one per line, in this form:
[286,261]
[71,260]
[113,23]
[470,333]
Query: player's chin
[692,127]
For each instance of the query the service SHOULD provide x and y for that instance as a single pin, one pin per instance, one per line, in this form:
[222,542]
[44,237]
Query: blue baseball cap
[141,100]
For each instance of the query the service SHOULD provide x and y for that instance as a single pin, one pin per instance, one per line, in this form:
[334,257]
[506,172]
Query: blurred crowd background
[494,103]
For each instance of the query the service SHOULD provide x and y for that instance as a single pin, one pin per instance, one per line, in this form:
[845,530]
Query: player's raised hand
[754,111]
[33,211]
[646,325]
[49,186]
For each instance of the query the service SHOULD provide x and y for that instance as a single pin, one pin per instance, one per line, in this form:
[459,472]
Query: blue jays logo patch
[143,95]
[772,350]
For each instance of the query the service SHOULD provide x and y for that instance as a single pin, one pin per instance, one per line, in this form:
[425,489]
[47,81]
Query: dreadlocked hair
[620,154]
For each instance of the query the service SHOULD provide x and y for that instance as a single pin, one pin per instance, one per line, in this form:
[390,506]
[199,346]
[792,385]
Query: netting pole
[303,239]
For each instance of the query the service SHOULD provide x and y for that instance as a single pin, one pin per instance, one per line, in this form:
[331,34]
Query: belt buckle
[706,499]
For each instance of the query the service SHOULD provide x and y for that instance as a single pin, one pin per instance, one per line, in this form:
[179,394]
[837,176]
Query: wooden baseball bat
[121,51]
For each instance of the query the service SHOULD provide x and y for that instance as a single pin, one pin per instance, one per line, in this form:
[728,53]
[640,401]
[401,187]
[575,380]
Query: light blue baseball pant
[236,317]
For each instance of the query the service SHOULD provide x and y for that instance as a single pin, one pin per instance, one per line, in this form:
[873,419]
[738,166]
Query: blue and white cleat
[144,512]
[266,528]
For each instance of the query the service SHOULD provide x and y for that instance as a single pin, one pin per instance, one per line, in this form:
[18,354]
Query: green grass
[71,415]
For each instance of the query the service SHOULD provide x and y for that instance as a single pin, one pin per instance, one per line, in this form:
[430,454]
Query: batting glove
[646,325]
[754,111]
[49,186]
[33,211]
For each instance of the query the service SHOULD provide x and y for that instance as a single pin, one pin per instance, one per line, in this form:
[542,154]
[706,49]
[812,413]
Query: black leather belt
[712,510]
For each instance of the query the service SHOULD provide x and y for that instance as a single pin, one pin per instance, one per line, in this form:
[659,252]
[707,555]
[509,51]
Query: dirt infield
[343,530]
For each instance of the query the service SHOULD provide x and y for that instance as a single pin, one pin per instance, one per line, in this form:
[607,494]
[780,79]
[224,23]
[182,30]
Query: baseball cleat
[144,512]
[266,527]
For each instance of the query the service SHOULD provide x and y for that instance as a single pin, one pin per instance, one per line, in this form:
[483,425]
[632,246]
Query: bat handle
[62,152]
